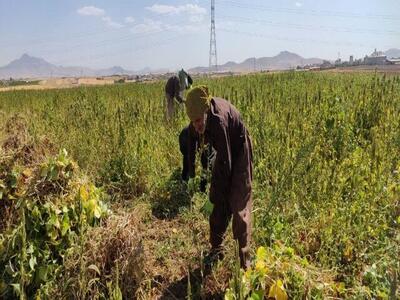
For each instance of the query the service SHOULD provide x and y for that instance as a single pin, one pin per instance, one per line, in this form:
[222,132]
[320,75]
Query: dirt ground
[58,83]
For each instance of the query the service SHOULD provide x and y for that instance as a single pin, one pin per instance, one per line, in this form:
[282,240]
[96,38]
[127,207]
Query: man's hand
[179,98]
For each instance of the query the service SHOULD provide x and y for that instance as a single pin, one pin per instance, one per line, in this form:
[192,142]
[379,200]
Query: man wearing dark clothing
[232,174]
[189,144]
[174,89]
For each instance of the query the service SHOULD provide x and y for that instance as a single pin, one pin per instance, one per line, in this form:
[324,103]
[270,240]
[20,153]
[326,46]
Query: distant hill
[148,70]
[283,61]
[392,53]
[33,67]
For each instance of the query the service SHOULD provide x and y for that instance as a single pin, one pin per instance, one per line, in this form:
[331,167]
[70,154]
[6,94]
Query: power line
[309,27]
[119,52]
[124,37]
[320,13]
[313,12]
[296,40]
[103,43]
[49,39]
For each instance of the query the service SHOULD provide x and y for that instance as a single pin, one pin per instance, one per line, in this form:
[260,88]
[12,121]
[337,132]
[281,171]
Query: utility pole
[213,64]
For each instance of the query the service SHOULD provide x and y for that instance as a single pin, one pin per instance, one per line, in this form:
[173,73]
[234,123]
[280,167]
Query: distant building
[394,61]
[377,53]
[376,58]
[358,62]
[351,60]
[326,65]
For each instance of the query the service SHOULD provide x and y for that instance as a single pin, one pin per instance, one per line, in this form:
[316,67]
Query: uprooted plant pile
[47,208]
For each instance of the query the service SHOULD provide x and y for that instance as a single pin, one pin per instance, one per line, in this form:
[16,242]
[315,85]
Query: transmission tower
[213,66]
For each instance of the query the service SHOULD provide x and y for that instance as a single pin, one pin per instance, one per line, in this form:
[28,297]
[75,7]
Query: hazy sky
[172,34]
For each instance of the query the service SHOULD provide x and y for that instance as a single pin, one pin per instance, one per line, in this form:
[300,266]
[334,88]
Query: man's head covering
[197,102]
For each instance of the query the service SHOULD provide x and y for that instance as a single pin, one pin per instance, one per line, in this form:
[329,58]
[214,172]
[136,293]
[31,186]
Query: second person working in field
[231,183]
[174,89]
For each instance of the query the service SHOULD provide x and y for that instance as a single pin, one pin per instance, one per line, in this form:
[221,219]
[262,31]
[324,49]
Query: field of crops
[108,218]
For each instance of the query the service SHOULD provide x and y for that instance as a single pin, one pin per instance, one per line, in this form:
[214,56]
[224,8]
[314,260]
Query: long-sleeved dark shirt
[225,130]
[173,88]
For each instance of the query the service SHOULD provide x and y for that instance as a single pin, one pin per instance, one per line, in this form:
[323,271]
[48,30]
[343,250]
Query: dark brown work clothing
[232,174]
[173,88]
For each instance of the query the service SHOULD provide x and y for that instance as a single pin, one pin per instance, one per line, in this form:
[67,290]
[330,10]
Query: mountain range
[283,61]
[33,67]
[392,53]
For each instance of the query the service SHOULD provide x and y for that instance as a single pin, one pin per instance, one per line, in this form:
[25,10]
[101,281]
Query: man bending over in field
[174,89]
[230,191]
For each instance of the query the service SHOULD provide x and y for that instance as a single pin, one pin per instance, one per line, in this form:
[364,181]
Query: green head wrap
[197,102]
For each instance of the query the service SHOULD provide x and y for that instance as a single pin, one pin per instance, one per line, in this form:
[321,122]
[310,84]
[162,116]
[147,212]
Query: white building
[376,58]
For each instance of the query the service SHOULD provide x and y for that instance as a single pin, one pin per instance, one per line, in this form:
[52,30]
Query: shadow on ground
[172,197]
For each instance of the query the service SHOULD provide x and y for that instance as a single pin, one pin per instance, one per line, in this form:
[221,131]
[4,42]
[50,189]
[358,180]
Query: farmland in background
[326,192]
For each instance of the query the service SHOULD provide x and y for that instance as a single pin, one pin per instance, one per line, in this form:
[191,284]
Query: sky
[136,34]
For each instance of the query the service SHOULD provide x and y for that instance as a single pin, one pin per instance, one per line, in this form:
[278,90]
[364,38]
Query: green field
[326,192]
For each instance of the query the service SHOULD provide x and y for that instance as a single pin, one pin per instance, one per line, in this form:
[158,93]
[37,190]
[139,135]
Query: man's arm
[223,147]
[222,167]
[179,98]
[192,145]
[178,93]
